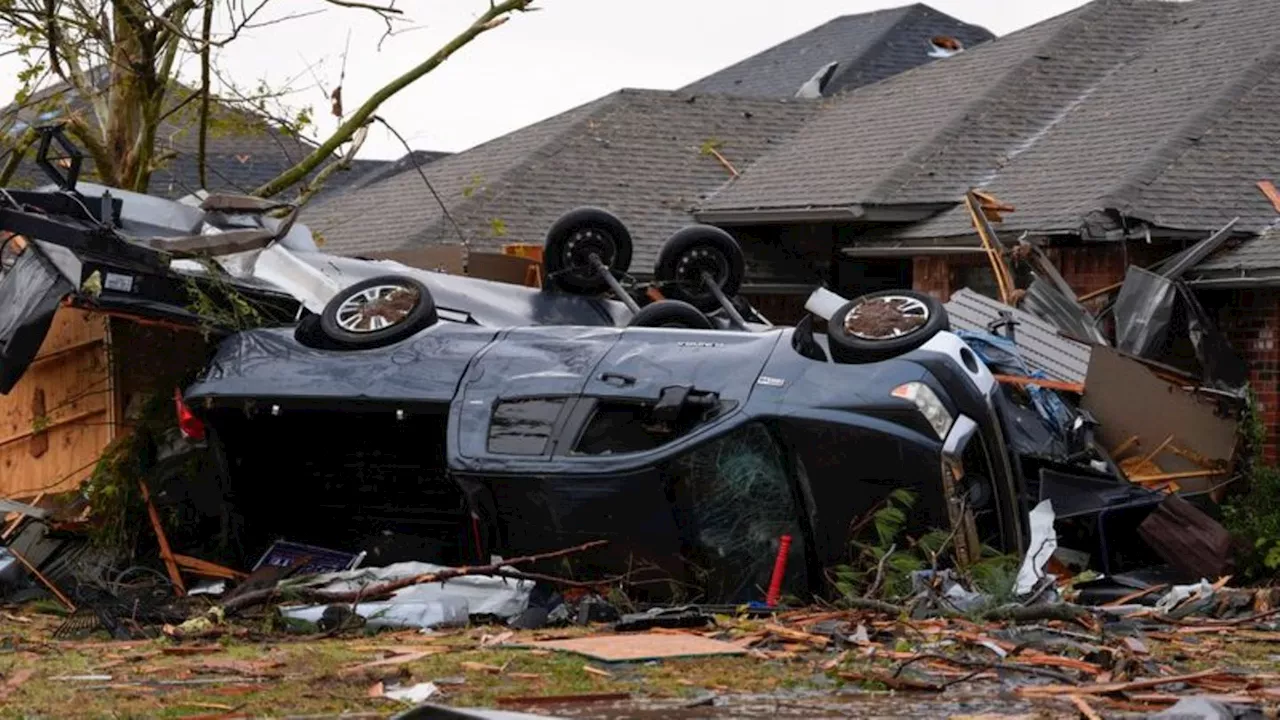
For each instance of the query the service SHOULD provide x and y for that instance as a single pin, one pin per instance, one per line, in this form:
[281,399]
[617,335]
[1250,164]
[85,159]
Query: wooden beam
[204,568]
[166,553]
[1077,388]
[43,580]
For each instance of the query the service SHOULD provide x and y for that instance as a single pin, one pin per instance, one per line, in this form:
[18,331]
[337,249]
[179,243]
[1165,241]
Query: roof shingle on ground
[644,155]
[1120,112]
[868,47]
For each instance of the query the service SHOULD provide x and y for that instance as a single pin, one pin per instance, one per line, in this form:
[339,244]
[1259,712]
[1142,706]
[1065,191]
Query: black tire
[574,237]
[689,252]
[671,313]
[873,343]
[308,333]
[341,327]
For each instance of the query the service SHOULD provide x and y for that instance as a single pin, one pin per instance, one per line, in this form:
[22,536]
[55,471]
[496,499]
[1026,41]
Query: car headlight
[927,402]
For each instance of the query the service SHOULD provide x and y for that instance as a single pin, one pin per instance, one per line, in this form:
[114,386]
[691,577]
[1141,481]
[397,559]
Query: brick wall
[1251,320]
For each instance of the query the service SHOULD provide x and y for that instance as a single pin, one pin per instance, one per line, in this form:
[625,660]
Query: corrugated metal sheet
[1042,346]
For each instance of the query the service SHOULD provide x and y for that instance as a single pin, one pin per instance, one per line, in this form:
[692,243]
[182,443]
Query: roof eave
[1236,279]
[832,213]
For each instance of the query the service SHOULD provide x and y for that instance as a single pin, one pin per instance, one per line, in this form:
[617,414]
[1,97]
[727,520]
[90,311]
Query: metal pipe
[734,316]
[906,252]
[614,285]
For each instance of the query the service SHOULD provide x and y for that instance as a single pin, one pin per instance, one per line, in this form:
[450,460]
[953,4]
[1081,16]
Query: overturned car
[693,449]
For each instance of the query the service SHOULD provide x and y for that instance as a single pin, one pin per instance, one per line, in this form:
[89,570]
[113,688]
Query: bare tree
[116,61]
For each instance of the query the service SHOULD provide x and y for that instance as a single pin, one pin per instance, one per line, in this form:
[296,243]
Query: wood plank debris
[633,647]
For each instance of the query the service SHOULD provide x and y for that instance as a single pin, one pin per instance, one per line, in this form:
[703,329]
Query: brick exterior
[932,275]
[1251,320]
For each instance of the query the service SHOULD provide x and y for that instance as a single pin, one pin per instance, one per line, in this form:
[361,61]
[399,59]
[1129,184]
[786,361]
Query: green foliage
[892,557]
[113,491]
[498,227]
[474,185]
[884,557]
[1253,516]
[219,305]
[710,146]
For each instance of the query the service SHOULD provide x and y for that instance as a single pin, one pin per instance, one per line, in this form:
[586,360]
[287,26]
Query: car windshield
[734,500]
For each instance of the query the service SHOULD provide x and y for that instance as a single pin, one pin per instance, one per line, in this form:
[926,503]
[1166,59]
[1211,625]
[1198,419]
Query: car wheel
[574,238]
[695,250]
[307,332]
[884,324]
[378,311]
[671,314]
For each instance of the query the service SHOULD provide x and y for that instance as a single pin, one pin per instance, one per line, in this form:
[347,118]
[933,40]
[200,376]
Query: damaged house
[1119,134]
[649,156]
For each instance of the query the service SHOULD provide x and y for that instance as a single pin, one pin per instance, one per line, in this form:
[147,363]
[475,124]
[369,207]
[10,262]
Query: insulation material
[1129,401]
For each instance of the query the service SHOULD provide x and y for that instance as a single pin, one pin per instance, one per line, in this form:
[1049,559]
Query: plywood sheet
[641,646]
[56,450]
[1128,400]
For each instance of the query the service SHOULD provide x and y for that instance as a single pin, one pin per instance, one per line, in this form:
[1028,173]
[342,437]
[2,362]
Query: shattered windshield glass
[734,501]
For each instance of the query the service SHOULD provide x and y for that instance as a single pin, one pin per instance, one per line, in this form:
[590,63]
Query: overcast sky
[538,64]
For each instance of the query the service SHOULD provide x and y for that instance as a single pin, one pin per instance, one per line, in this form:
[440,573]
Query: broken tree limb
[383,590]
[365,112]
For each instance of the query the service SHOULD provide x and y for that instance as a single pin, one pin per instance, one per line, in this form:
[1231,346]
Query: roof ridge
[876,46]
[1187,133]
[902,10]
[903,171]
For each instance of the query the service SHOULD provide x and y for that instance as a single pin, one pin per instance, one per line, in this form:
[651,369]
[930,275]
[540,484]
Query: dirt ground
[247,674]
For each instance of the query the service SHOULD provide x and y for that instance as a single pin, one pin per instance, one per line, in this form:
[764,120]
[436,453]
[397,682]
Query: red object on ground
[779,571]
[188,423]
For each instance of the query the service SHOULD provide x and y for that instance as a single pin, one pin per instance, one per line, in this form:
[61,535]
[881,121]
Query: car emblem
[770,381]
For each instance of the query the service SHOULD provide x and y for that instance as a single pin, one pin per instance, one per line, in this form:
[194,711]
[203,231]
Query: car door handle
[617,379]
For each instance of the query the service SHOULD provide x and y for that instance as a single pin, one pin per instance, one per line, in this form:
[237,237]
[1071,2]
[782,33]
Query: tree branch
[16,154]
[317,183]
[366,111]
[202,140]
[380,9]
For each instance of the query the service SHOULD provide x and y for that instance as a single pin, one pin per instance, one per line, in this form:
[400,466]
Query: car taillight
[188,423]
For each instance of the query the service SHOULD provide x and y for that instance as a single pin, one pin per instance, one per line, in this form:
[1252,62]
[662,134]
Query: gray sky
[538,64]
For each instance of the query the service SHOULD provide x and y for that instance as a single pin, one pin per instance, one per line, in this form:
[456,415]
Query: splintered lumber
[166,553]
[1115,687]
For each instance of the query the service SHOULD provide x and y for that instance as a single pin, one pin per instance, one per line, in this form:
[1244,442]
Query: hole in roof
[942,46]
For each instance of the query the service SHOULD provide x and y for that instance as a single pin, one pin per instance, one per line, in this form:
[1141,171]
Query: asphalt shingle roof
[1119,112]
[642,154]
[868,47]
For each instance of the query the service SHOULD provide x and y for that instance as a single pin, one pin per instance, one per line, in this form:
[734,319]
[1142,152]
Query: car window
[734,499]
